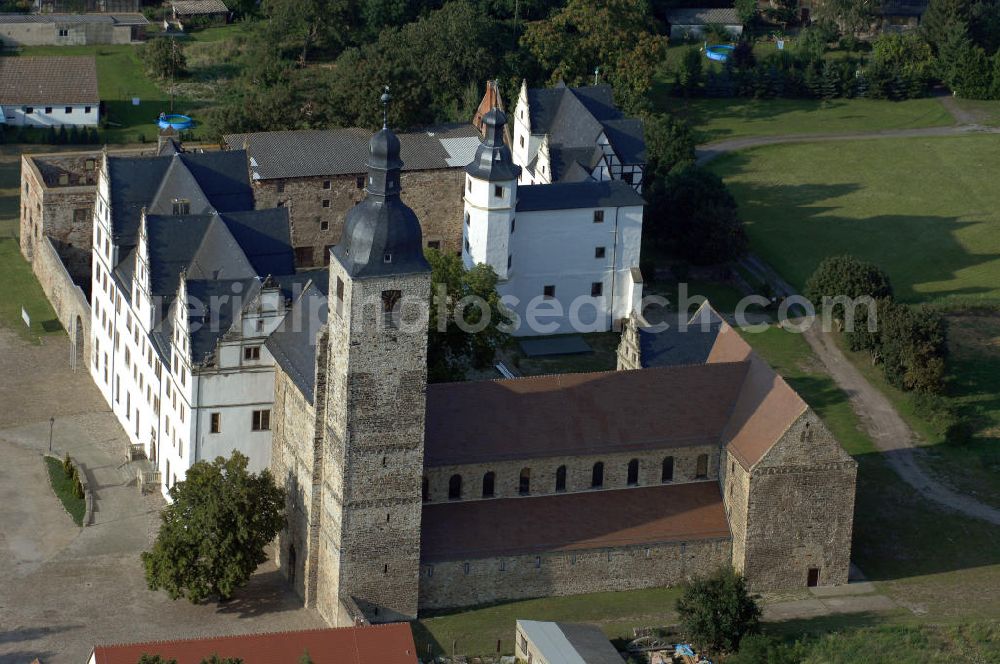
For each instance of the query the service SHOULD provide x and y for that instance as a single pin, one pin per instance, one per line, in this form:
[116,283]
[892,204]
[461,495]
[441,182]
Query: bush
[717,612]
[67,466]
[846,276]
[78,489]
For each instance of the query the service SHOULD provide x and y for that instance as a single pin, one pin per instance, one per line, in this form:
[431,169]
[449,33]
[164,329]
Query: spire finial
[385,99]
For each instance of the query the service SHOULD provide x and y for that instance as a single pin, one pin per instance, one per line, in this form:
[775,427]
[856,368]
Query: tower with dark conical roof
[490,199]
[374,381]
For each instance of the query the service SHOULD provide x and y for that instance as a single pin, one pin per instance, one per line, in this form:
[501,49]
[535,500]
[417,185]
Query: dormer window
[387,258]
[182,206]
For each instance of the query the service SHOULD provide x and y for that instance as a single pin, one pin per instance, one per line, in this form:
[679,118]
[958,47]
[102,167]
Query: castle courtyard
[66,588]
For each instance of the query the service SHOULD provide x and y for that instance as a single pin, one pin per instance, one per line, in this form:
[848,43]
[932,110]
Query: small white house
[49,91]
[692,23]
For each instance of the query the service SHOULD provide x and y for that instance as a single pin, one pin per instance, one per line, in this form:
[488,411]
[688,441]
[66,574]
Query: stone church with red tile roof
[405,496]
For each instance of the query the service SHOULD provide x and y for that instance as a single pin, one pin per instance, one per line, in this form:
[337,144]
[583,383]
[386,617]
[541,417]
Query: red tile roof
[572,521]
[576,414]
[766,408]
[377,644]
[51,81]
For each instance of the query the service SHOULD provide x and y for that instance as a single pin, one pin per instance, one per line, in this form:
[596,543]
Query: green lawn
[921,208]
[973,468]
[121,77]
[984,112]
[718,119]
[22,290]
[63,488]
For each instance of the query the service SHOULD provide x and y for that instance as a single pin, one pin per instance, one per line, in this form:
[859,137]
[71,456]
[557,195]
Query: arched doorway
[78,344]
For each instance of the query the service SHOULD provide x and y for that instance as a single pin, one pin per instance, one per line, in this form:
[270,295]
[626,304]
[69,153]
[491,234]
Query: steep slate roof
[53,81]
[293,344]
[311,153]
[209,180]
[704,16]
[574,414]
[224,247]
[568,643]
[576,195]
[574,118]
[706,337]
[613,518]
[371,644]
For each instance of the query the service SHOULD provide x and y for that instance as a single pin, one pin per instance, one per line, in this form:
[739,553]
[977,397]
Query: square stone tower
[376,376]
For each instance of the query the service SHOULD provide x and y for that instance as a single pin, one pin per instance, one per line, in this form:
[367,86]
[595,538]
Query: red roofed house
[378,644]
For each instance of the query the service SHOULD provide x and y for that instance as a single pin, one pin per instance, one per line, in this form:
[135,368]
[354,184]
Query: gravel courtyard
[63,588]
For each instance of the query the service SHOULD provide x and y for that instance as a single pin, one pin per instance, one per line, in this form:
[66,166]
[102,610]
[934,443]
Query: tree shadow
[267,592]
[794,226]
[33,634]
[899,533]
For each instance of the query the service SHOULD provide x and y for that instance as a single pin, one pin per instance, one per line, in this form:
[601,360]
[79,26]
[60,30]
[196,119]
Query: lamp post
[52,423]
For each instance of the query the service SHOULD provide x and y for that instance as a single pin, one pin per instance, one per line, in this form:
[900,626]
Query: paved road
[891,435]
[710,151]
[63,588]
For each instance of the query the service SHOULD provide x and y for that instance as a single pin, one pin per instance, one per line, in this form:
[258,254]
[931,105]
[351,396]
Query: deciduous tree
[846,276]
[458,292]
[716,610]
[212,536]
[695,218]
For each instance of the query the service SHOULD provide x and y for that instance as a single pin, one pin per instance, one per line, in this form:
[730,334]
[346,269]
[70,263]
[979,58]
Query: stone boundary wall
[482,581]
[66,298]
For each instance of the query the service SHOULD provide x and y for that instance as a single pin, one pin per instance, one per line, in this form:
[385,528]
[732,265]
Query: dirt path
[889,432]
[891,435]
[711,151]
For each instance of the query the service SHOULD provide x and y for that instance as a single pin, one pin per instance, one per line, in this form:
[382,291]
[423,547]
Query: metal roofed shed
[563,643]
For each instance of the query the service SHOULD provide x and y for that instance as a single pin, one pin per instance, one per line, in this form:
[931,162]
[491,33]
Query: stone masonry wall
[57,200]
[317,207]
[376,385]
[67,299]
[481,581]
[801,509]
[579,472]
[736,497]
[292,466]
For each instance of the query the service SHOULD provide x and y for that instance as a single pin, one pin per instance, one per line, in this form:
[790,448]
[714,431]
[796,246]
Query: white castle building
[566,253]
[188,282]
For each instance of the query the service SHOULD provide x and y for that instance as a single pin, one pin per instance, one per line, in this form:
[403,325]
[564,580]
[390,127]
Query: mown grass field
[720,119]
[921,208]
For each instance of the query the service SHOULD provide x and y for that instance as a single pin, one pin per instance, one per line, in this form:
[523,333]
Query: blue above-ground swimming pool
[719,52]
[174,121]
